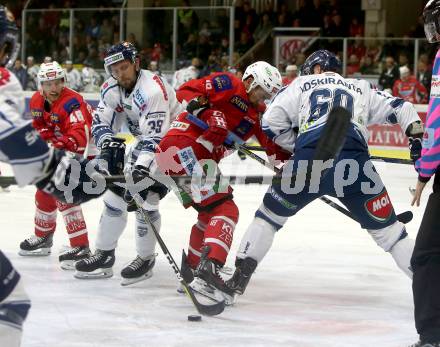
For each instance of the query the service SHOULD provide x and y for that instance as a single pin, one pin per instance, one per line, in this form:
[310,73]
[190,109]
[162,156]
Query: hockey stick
[207,310]
[373,157]
[238,143]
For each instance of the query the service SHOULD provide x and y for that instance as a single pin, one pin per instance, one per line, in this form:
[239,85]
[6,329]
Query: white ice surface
[324,282]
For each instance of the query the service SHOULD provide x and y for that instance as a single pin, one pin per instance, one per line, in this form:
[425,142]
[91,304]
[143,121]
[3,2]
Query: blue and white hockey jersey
[307,101]
[147,111]
[20,144]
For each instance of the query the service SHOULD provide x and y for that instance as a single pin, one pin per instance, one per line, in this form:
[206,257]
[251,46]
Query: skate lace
[136,263]
[74,250]
[93,258]
[34,240]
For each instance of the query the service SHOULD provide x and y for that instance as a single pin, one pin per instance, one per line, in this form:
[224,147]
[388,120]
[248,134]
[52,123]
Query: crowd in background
[203,36]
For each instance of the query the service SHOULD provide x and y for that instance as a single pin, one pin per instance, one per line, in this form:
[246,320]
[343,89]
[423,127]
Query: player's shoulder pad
[109,86]
[223,81]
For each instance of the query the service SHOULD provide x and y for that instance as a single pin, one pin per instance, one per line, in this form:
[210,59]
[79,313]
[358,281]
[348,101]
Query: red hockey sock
[195,244]
[220,229]
[75,224]
[45,214]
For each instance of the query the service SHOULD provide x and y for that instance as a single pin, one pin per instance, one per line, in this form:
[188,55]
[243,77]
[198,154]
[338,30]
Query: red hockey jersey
[68,116]
[226,93]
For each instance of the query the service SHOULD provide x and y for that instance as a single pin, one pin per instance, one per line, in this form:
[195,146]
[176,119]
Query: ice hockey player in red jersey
[225,103]
[63,119]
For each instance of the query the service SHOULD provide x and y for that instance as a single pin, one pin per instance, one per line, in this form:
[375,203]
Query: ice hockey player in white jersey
[147,104]
[351,177]
[32,162]
[74,79]
[186,74]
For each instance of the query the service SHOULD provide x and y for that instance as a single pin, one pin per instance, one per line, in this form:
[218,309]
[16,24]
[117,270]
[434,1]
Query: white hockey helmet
[51,71]
[265,75]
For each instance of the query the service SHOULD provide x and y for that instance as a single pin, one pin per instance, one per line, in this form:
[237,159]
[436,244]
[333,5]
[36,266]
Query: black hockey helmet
[431,17]
[121,51]
[8,38]
[326,59]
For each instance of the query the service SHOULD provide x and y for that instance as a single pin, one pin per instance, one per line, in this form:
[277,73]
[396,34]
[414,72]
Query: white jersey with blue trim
[305,104]
[20,144]
[148,110]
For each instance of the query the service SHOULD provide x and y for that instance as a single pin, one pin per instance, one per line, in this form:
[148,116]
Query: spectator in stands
[205,30]
[367,66]
[224,46]
[93,59]
[32,73]
[355,29]
[357,47]
[20,72]
[79,59]
[424,75]
[189,48]
[93,29]
[188,21]
[211,66]
[263,28]
[291,74]
[403,59]
[154,68]
[409,88]
[268,9]
[389,75]
[204,48]
[327,29]
[47,59]
[132,39]
[74,80]
[339,27]
[353,64]
[106,32]
[250,15]
[244,44]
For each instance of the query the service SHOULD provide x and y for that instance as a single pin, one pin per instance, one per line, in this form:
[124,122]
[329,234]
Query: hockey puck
[194,318]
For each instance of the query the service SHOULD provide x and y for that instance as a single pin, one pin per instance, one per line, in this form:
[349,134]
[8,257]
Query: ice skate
[68,258]
[97,266]
[243,272]
[138,270]
[208,281]
[36,246]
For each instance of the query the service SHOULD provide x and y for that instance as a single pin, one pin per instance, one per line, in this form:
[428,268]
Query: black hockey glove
[415,135]
[138,174]
[113,151]
[197,105]
[71,180]
[415,148]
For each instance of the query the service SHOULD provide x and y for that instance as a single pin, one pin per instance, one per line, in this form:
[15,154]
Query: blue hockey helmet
[121,51]
[431,18]
[325,59]
[8,38]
